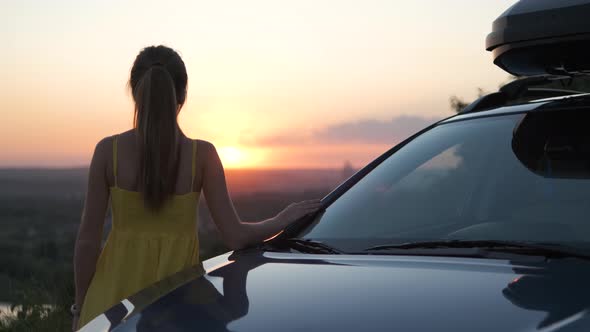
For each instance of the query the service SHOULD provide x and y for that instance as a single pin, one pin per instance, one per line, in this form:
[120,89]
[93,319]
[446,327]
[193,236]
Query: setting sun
[242,157]
[232,157]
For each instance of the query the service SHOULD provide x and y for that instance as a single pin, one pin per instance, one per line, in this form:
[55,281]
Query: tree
[347,170]
[458,104]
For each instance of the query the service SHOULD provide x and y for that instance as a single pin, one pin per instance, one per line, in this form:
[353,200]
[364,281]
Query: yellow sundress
[142,246]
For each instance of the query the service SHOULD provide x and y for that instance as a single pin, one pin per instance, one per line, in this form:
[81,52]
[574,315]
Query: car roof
[554,103]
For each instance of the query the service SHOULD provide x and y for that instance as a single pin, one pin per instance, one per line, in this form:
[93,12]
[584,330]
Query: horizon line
[63,168]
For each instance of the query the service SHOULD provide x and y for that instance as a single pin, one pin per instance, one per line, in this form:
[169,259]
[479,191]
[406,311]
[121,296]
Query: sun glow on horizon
[233,157]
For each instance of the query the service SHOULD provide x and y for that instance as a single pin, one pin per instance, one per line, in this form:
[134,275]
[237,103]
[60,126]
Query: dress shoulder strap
[115,158]
[194,162]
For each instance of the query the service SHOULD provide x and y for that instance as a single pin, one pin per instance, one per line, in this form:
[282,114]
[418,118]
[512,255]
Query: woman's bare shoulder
[129,134]
[206,154]
[104,147]
[204,146]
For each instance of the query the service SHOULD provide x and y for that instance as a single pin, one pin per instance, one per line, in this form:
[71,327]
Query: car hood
[266,291]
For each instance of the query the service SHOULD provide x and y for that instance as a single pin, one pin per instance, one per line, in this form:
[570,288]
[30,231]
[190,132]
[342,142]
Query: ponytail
[158,83]
[155,124]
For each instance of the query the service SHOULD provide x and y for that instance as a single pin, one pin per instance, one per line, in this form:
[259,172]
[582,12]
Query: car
[478,222]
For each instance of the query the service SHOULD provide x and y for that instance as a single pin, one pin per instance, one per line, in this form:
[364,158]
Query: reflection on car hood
[264,291]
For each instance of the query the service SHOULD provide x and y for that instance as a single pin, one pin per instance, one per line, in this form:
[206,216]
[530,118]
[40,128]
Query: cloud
[373,131]
[365,131]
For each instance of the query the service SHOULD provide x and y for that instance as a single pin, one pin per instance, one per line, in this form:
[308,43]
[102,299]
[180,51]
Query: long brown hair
[158,84]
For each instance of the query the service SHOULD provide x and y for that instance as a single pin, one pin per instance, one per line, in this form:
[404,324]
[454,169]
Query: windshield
[509,178]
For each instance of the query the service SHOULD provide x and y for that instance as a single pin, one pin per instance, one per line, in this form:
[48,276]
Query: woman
[153,175]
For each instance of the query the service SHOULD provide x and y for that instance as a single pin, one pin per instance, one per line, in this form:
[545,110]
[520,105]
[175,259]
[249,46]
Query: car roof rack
[519,89]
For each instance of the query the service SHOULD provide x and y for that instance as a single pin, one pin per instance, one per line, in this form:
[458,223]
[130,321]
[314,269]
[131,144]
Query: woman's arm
[90,230]
[236,233]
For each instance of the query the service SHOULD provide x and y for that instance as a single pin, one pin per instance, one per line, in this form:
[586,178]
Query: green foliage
[42,305]
[46,249]
[459,104]
[36,247]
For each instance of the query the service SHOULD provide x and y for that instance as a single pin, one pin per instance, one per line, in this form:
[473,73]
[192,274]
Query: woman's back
[144,245]
[128,166]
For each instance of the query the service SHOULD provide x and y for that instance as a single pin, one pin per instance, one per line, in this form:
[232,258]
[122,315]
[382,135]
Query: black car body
[476,223]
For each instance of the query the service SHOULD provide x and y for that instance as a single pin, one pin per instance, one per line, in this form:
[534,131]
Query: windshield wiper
[524,248]
[307,246]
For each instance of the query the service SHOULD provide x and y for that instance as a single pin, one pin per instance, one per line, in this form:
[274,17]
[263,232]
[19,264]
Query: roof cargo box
[537,37]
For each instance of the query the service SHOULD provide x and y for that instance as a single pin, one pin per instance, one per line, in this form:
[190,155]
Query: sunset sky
[273,84]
